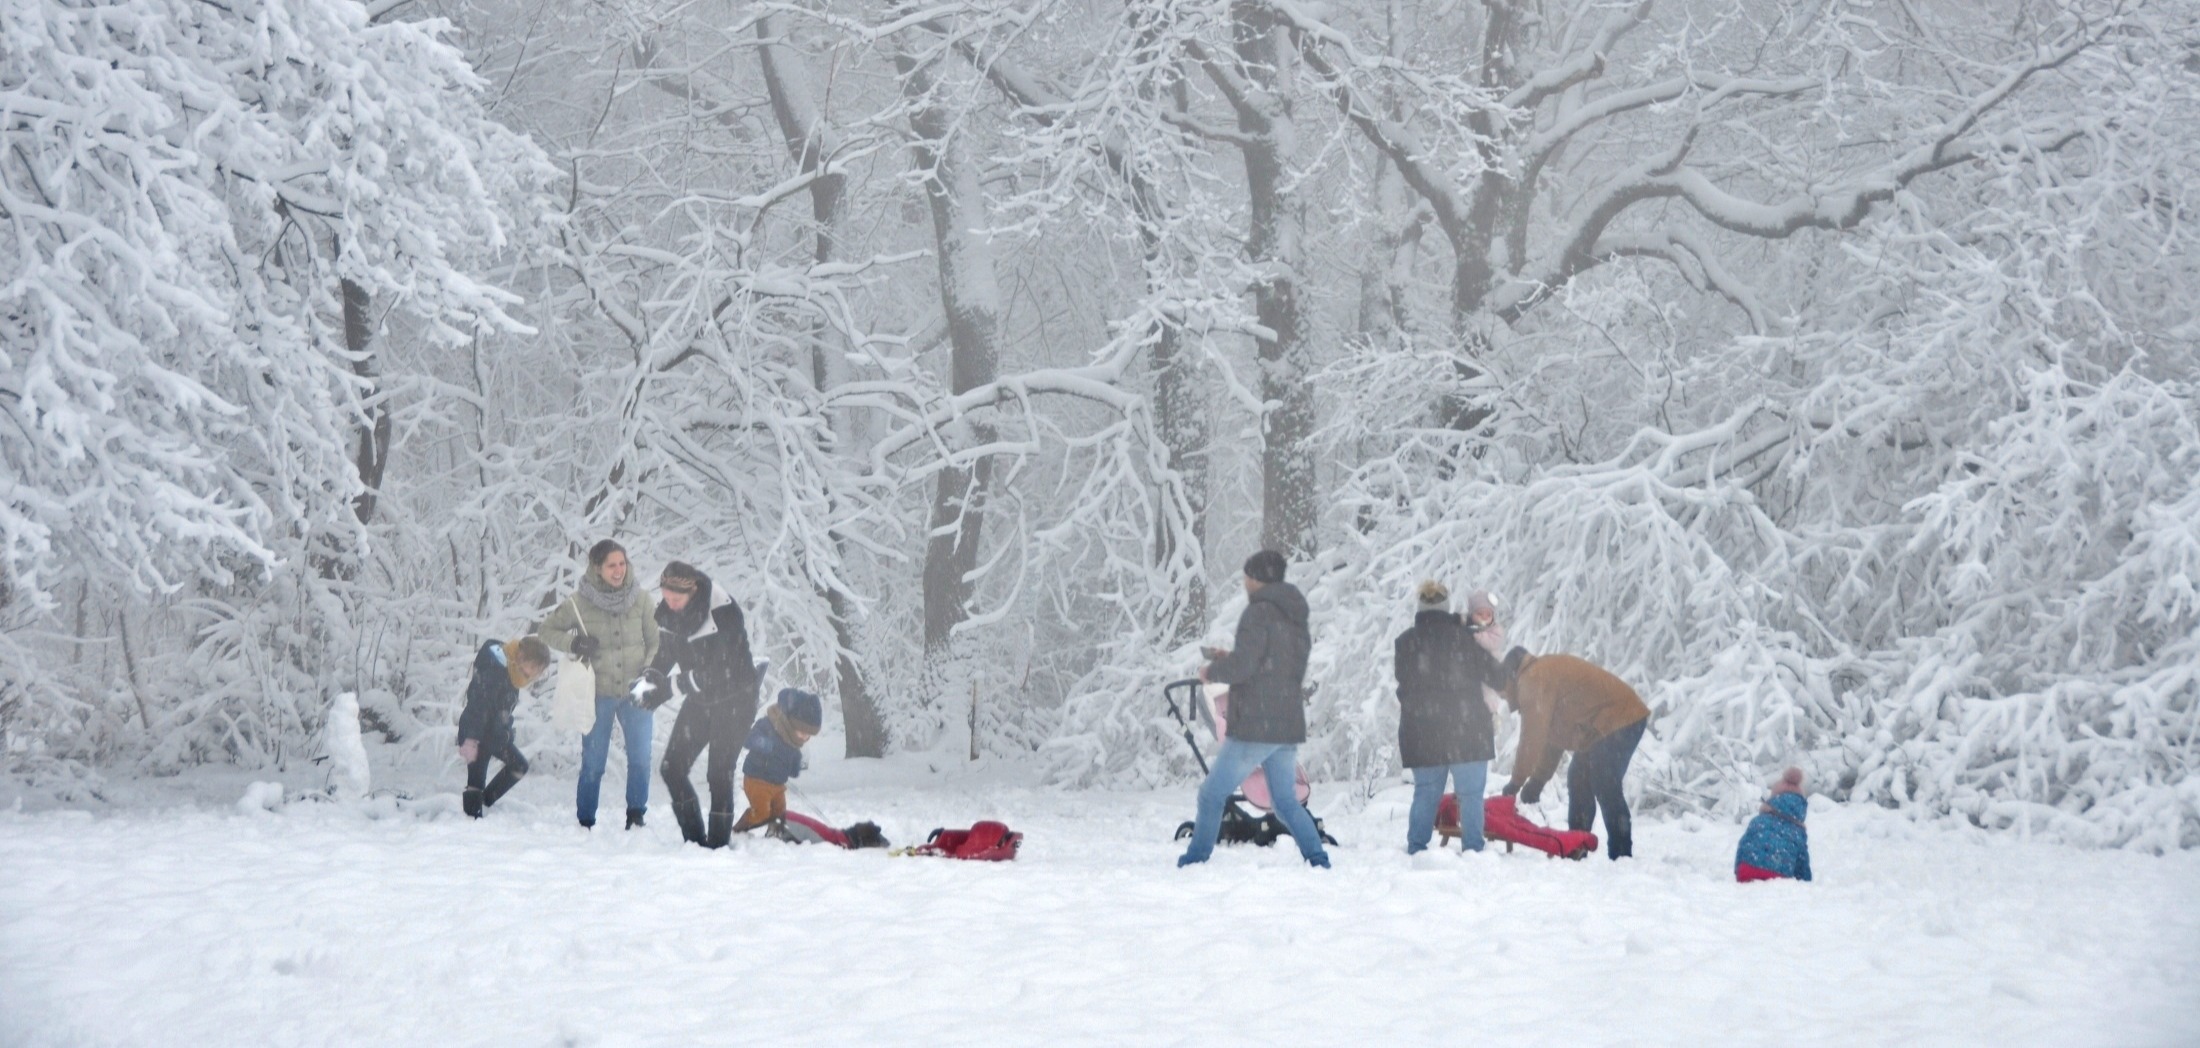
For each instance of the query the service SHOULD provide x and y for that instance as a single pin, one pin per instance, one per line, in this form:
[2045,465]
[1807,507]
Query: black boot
[471,801]
[501,785]
[721,829]
[689,815]
[633,817]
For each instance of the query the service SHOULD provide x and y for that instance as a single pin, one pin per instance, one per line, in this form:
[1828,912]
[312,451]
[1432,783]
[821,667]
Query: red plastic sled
[987,841]
[1502,821]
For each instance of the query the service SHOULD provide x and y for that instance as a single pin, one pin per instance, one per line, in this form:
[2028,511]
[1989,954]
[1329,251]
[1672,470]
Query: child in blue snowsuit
[1776,845]
[775,755]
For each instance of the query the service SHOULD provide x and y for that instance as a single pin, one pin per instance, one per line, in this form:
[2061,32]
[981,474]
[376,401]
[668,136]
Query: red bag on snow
[986,841]
[1502,821]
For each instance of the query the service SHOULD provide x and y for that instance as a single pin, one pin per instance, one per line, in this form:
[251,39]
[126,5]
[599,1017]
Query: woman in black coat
[706,650]
[1444,727]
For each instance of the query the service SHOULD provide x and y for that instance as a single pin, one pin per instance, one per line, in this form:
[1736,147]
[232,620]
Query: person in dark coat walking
[1444,727]
[1266,672]
[501,669]
[705,651]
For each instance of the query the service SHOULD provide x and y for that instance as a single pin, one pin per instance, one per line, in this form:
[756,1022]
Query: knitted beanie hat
[801,708]
[679,577]
[1432,596]
[1791,781]
[1265,567]
[1480,605]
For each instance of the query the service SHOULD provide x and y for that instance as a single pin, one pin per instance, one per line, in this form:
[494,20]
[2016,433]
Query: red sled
[1502,821]
[987,841]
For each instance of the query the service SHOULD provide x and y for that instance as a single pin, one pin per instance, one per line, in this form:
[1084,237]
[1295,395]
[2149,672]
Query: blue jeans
[1235,761]
[637,724]
[1428,791]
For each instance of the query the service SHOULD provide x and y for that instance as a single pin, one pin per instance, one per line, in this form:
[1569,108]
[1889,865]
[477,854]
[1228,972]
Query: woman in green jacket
[611,624]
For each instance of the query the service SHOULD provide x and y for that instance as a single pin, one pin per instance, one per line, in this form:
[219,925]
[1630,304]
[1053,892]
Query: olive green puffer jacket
[628,639]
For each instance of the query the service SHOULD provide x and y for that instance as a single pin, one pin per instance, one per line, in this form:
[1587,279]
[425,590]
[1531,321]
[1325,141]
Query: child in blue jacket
[1776,845]
[501,669]
[775,755]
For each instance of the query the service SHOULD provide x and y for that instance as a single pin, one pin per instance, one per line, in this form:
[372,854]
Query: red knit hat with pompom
[1791,781]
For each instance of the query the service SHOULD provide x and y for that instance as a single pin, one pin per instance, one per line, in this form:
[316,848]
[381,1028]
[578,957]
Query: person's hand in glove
[651,689]
[586,646]
[469,751]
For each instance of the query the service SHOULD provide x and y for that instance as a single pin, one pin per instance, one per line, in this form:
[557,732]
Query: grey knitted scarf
[610,601]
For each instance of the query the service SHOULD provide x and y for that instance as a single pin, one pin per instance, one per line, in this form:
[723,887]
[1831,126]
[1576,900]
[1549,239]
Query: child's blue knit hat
[802,708]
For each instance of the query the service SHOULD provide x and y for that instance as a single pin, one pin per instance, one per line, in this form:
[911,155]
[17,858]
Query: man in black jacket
[1266,672]
[709,650]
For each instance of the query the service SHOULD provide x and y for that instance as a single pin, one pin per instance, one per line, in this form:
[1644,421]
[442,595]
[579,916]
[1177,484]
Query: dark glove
[1531,794]
[586,646]
[652,689]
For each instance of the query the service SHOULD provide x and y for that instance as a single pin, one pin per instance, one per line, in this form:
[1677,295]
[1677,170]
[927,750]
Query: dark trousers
[717,725]
[498,748]
[1593,780]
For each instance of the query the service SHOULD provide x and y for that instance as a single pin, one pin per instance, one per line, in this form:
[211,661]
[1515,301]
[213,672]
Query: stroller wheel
[1184,832]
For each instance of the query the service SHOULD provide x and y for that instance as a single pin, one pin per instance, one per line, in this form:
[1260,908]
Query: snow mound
[261,796]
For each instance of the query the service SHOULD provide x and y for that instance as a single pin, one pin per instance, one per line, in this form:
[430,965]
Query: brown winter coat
[1565,704]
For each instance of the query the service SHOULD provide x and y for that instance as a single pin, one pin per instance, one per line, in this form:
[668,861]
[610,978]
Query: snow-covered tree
[198,203]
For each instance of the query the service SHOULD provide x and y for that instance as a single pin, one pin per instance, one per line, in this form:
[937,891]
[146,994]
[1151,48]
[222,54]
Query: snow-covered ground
[396,921]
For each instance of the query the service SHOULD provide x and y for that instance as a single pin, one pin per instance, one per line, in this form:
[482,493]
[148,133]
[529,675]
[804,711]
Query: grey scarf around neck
[610,601]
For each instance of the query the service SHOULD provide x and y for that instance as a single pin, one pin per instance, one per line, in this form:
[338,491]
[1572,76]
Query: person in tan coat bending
[1571,705]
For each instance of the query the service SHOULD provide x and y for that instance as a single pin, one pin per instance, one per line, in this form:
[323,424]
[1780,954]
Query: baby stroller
[1239,826]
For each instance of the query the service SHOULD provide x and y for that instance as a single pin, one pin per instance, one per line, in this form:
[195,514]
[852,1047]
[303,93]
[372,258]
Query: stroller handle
[1191,703]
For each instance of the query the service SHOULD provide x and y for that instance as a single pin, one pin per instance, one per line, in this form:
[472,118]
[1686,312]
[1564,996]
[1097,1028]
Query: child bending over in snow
[775,755]
[1776,845]
[501,669]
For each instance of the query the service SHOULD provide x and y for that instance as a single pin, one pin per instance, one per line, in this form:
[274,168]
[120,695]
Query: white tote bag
[573,708]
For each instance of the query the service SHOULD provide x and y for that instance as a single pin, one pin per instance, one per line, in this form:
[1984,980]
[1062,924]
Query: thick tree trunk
[970,299]
[374,437]
[810,140]
[1180,414]
[1289,510]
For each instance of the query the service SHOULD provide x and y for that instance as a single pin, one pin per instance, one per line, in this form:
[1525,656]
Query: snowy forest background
[1827,368]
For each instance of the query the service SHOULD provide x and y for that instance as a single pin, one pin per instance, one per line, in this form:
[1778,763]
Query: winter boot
[633,817]
[471,801]
[721,829]
[689,814]
[505,779]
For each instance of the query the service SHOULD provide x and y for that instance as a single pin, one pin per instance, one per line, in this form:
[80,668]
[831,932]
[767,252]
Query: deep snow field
[183,917]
